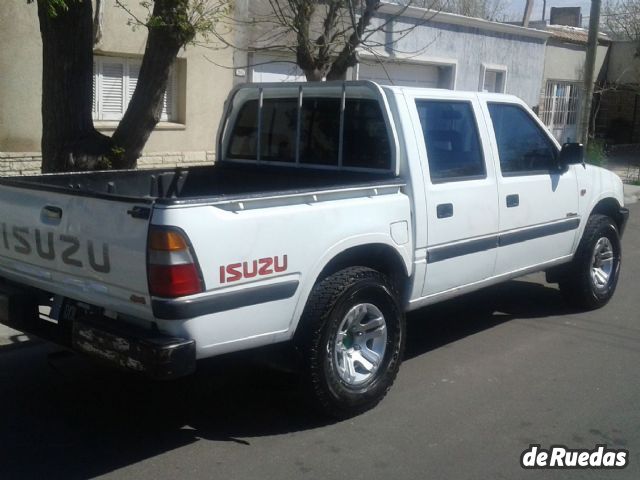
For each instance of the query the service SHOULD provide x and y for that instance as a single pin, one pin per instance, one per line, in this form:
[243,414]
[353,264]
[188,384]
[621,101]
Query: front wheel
[591,279]
[352,341]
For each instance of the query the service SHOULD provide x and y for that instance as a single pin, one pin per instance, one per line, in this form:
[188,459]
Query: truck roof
[315,87]
[442,92]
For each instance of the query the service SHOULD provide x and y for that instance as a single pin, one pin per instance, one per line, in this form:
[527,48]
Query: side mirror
[571,154]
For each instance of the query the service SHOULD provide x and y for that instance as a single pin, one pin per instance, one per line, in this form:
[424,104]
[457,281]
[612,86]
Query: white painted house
[453,52]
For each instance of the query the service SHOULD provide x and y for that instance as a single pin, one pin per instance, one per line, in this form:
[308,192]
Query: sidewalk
[627,172]
[624,160]
[8,336]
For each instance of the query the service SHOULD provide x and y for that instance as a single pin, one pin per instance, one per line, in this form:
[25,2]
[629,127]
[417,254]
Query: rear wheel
[352,340]
[590,280]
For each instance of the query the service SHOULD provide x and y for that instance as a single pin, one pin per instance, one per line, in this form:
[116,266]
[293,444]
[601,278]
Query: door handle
[513,200]
[51,214]
[444,210]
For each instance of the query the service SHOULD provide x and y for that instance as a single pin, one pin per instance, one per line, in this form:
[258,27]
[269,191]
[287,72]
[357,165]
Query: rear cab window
[348,131]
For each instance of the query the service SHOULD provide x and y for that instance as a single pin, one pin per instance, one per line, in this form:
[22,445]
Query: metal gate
[560,109]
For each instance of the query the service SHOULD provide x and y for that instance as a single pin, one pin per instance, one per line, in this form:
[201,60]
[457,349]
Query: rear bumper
[152,354]
[143,351]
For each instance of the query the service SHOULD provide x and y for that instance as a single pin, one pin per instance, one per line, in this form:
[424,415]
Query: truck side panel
[263,269]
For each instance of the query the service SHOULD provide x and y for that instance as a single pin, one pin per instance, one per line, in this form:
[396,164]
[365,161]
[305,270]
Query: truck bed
[221,180]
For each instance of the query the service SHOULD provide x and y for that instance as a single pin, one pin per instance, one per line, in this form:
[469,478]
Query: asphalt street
[484,376]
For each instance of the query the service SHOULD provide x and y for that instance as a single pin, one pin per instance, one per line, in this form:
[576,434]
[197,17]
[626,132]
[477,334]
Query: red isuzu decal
[256,268]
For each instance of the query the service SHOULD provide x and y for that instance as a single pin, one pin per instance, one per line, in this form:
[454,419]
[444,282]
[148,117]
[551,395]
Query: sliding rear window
[318,134]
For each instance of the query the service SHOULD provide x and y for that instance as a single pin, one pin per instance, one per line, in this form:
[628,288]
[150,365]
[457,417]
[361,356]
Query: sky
[516,9]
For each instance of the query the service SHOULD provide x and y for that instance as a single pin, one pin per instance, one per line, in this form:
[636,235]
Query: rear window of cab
[318,133]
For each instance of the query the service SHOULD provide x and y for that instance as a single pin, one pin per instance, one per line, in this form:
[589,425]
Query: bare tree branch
[326,35]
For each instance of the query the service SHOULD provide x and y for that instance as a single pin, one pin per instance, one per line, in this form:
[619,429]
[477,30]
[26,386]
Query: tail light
[171,268]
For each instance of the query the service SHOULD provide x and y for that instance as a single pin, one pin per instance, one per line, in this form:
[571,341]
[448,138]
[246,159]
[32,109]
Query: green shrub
[595,152]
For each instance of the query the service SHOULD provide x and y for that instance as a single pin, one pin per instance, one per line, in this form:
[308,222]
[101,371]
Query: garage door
[401,74]
[273,69]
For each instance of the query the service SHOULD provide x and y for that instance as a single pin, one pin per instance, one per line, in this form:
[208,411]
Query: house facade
[444,51]
[192,105]
[563,80]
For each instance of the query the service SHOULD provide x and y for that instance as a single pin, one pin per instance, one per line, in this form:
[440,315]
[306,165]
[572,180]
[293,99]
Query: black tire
[317,341]
[577,284]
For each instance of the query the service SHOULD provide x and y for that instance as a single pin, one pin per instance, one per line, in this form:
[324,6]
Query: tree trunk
[304,56]
[69,141]
[341,65]
[347,56]
[166,37]
[314,75]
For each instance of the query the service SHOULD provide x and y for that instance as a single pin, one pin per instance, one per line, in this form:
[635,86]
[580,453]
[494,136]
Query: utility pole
[589,67]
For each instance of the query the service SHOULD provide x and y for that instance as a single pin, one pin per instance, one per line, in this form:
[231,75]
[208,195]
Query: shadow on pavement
[438,325]
[74,419]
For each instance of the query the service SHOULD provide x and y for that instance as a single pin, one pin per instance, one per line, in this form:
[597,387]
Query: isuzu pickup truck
[332,210]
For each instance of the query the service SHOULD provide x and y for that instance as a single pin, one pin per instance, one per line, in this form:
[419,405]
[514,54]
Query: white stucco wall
[565,61]
[470,48]
[444,40]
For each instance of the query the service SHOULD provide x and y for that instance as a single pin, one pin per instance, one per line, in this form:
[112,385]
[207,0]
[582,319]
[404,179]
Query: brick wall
[175,159]
[22,163]
[29,163]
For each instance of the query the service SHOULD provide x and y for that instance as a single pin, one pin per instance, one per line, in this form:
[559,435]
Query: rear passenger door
[461,192]
[538,202]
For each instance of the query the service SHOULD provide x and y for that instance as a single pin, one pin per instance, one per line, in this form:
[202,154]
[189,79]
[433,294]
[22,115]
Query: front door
[538,203]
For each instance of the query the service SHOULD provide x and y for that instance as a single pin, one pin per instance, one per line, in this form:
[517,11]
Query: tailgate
[83,247]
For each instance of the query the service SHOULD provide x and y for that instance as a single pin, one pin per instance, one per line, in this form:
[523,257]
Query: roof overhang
[573,35]
[455,19]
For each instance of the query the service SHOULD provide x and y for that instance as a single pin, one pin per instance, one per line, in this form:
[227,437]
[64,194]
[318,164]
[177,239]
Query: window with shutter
[167,102]
[115,80]
[132,80]
[112,94]
[94,100]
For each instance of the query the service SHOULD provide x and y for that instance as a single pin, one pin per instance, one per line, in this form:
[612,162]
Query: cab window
[451,138]
[523,148]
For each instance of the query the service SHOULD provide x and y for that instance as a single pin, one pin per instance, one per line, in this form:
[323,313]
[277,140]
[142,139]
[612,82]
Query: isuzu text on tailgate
[25,241]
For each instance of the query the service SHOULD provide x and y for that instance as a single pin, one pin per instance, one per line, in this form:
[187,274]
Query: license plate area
[67,311]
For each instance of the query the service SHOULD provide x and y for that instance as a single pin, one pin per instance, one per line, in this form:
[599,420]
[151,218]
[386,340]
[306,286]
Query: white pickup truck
[332,210]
